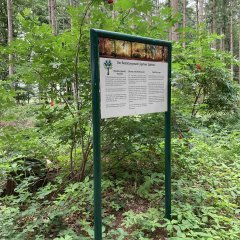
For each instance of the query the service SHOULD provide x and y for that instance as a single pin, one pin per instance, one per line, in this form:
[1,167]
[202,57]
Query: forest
[46,128]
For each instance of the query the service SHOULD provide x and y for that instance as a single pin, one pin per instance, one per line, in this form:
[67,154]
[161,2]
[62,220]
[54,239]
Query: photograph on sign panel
[123,49]
[111,48]
[138,50]
[155,52]
[106,47]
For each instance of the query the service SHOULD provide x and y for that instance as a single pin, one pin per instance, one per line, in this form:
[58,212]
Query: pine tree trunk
[224,26]
[214,21]
[174,6]
[10,33]
[239,56]
[71,20]
[197,13]
[201,11]
[70,87]
[50,12]
[184,20]
[52,15]
[231,36]
[222,41]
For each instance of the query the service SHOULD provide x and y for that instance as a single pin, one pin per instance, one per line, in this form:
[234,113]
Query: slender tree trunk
[231,35]
[53,23]
[197,97]
[184,21]
[52,15]
[174,6]
[197,13]
[71,20]
[70,85]
[239,55]
[224,26]
[214,21]
[50,12]
[222,41]
[201,11]
[10,33]
[54,20]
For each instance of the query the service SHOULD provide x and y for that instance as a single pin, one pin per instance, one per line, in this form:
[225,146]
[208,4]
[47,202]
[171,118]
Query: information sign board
[133,78]
[130,75]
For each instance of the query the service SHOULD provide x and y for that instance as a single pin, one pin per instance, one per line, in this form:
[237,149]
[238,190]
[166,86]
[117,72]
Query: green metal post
[96,136]
[168,142]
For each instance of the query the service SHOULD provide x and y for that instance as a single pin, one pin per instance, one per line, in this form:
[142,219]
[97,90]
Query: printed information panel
[133,78]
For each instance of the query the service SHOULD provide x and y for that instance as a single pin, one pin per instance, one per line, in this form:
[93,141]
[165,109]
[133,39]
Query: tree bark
[231,35]
[71,5]
[214,21]
[184,21]
[239,55]
[224,24]
[174,7]
[201,11]
[52,15]
[50,12]
[197,13]
[222,41]
[10,33]
[3,23]
[54,20]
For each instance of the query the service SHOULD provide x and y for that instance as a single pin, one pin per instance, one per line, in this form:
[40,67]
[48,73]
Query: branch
[78,49]
[65,100]
[195,102]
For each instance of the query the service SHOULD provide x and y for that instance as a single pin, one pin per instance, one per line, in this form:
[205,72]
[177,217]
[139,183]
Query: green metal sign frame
[95,34]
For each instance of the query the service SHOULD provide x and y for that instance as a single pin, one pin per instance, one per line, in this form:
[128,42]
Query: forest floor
[205,187]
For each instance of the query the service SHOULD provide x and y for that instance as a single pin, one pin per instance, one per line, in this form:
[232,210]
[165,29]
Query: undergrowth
[205,191]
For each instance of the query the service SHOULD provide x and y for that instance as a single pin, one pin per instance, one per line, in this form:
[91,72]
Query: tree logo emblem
[108,65]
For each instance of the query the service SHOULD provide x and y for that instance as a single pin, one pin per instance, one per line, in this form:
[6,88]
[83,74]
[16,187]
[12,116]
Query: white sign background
[132,87]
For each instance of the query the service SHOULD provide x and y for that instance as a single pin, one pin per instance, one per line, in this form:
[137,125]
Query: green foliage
[27,142]
[50,217]
[6,97]
[143,222]
[207,191]
[205,148]
[205,199]
[202,74]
